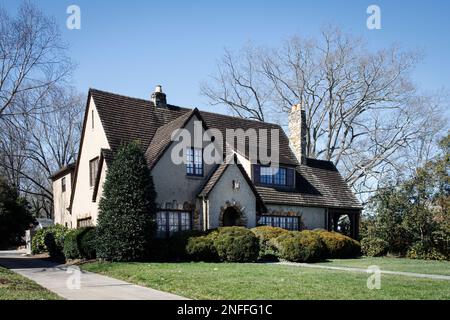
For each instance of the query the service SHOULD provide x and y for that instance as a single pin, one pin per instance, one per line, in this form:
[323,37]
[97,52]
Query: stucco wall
[173,185]
[94,139]
[61,200]
[223,192]
[312,217]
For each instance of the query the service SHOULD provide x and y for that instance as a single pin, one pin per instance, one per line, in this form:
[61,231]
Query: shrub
[236,244]
[71,249]
[266,236]
[424,250]
[202,249]
[339,245]
[54,240]
[301,246]
[80,244]
[87,243]
[126,223]
[178,242]
[37,241]
[374,247]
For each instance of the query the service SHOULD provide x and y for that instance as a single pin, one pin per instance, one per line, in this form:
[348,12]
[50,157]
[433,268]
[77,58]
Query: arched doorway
[230,217]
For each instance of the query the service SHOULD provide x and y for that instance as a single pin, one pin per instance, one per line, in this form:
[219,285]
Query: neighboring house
[304,192]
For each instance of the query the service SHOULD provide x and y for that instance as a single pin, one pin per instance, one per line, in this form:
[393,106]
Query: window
[285,222]
[93,167]
[194,162]
[171,221]
[271,175]
[63,184]
[85,222]
[92,119]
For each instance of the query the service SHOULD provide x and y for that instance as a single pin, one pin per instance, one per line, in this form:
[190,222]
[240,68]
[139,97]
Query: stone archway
[232,215]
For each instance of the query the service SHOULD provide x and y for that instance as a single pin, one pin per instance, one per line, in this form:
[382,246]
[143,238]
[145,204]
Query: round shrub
[301,246]
[339,245]
[54,240]
[87,243]
[266,236]
[71,249]
[38,241]
[202,249]
[374,247]
[236,244]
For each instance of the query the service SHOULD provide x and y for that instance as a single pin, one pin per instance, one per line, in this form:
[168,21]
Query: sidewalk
[352,269]
[93,286]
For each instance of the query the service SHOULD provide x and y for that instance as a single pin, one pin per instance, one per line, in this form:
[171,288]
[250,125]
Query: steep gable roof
[125,119]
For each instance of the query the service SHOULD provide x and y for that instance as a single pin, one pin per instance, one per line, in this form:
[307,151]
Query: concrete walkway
[399,273]
[72,284]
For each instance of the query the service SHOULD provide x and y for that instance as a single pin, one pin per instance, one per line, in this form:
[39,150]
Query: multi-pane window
[273,175]
[169,222]
[63,184]
[85,222]
[93,167]
[194,162]
[285,222]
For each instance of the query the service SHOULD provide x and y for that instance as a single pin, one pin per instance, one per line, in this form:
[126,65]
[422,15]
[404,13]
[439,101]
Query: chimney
[297,132]
[159,98]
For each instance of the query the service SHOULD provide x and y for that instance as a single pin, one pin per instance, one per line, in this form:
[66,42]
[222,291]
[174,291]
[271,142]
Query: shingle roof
[63,171]
[125,119]
[318,184]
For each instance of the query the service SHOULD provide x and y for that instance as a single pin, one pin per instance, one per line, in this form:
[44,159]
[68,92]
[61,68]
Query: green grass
[395,264]
[15,287]
[266,281]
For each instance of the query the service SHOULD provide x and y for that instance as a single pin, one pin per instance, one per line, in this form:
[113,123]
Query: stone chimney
[297,132]
[159,98]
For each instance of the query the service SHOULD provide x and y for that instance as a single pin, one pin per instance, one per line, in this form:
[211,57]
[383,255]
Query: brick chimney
[297,132]
[159,97]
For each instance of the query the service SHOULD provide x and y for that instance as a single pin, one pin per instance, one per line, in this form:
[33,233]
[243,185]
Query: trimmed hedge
[202,249]
[178,242]
[304,246]
[80,244]
[266,236]
[236,244]
[339,246]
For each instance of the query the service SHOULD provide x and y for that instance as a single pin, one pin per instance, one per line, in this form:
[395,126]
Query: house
[302,192]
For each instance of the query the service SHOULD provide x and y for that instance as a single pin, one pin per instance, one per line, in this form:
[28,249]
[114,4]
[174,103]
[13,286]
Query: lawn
[15,287]
[395,264]
[267,281]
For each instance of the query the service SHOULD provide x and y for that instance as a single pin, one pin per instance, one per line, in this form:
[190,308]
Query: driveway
[71,283]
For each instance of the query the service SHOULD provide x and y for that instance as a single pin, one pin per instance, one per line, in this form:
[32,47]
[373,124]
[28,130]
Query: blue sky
[130,46]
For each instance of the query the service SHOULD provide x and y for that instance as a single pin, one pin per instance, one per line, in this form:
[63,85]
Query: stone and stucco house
[303,192]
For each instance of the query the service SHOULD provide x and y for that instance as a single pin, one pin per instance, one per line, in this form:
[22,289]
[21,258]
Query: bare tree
[363,111]
[39,112]
[32,60]
[32,148]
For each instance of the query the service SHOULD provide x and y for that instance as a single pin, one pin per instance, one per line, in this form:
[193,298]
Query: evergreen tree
[127,208]
[15,217]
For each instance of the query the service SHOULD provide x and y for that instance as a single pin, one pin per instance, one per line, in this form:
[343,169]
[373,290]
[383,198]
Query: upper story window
[63,184]
[92,119]
[93,167]
[273,176]
[194,162]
